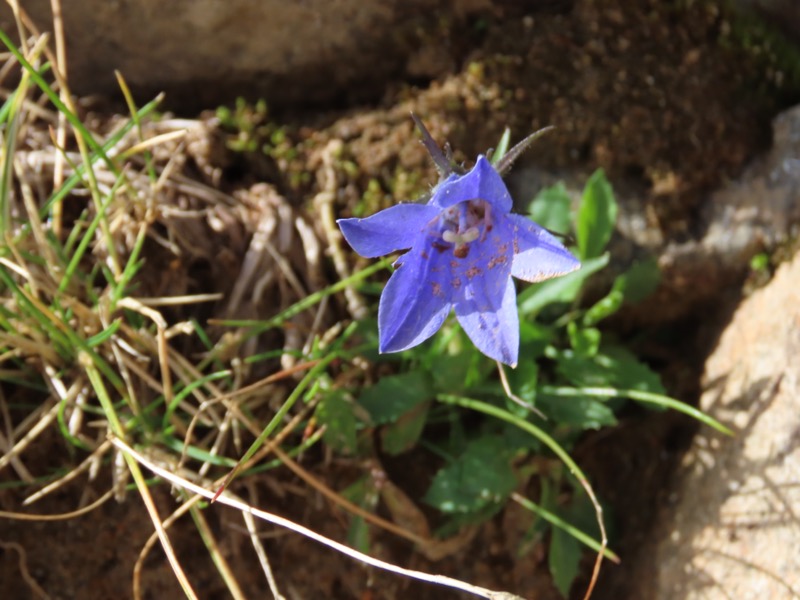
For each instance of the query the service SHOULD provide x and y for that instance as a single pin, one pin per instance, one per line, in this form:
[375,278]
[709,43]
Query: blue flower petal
[538,255]
[389,230]
[495,331]
[416,300]
[481,182]
[486,305]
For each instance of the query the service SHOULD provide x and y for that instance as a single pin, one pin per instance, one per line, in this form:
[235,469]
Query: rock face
[203,52]
[734,528]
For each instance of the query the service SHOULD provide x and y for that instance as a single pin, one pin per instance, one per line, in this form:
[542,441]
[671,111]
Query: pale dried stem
[16,463]
[343,502]
[166,545]
[34,110]
[85,465]
[512,396]
[5,441]
[42,423]
[153,540]
[226,499]
[246,391]
[29,347]
[161,345]
[61,132]
[324,201]
[221,436]
[216,555]
[23,569]
[263,560]
[61,516]
[178,300]
[603,538]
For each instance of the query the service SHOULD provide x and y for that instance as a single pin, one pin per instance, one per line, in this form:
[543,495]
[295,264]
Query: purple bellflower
[464,247]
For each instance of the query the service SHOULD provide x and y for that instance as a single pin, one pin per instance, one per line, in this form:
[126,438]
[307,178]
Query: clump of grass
[110,261]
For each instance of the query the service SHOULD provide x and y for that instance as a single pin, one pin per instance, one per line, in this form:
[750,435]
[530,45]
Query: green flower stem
[554,519]
[504,415]
[639,396]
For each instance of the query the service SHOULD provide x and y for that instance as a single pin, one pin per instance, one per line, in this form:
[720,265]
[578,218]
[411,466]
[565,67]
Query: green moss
[776,58]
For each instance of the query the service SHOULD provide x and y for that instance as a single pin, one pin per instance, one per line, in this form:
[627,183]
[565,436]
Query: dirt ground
[664,97]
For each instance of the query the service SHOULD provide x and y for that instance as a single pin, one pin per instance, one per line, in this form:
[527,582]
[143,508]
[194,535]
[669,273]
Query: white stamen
[470,235]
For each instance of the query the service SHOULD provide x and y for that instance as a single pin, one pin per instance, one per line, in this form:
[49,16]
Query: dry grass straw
[114,238]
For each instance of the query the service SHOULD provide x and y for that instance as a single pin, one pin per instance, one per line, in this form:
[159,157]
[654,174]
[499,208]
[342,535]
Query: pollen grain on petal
[437,289]
[497,260]
[473,272]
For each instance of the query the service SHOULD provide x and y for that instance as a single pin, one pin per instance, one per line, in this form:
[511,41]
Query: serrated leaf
[402,435]
[395,395]
[597,216]
[551,208]
[481,477]
[336,413]
[562,289]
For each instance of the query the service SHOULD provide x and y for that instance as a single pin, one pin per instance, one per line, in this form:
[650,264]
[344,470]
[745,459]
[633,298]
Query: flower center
[461,224]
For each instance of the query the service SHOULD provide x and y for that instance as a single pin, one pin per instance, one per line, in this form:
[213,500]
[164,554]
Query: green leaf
[580,412]
[551,208]
[402,435]
[605,307]
[760,262]
[364,494]
[628,372]
[612,366]
[584,340]
[562,289]
[563,559]
[639,281]
[336,413]
[395,395]
[597,216]
[481,477]
[502,147]
[453,363]
[523,381]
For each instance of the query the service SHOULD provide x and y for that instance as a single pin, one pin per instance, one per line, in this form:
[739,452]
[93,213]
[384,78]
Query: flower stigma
[461,224]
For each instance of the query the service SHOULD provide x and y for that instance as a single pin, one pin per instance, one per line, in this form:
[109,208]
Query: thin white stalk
[225,499]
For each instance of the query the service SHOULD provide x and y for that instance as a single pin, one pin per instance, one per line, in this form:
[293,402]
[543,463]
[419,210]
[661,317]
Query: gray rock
[203,52]
[733,530]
